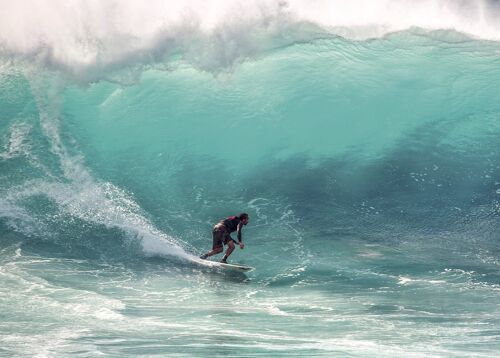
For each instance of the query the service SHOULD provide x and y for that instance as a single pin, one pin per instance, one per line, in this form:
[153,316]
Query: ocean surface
[362,137]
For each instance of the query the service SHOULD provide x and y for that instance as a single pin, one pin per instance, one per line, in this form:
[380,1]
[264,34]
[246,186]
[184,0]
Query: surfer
[221,234]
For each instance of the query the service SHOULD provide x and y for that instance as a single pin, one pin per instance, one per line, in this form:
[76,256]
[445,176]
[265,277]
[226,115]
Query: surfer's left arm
[238,232]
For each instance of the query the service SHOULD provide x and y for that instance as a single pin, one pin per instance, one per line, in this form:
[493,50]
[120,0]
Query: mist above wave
[82,36]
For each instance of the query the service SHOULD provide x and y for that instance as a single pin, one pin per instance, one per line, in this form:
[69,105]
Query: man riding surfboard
[221,235]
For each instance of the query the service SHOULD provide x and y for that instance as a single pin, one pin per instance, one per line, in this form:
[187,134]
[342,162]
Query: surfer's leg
[217,246]
[229,250]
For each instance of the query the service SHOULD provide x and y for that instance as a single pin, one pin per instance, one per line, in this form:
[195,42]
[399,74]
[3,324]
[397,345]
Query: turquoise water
[369,167]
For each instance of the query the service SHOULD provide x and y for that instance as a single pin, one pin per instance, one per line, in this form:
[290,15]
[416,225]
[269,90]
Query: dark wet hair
[243,216]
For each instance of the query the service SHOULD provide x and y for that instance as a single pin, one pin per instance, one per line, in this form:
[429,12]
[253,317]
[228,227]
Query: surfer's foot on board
[204,256]
[224,261]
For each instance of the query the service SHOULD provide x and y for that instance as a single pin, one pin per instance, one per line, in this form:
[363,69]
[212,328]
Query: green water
[369,169]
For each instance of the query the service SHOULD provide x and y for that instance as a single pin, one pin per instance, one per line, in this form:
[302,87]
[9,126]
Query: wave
[391,135]
[87,38]
[72,188]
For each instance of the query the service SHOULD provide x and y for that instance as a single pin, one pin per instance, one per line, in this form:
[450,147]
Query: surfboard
[228,267]
[235,267]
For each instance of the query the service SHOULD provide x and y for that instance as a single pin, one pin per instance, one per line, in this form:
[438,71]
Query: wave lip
[83,35]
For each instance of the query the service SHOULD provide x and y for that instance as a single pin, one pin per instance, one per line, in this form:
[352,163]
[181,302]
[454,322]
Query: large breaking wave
[161,119]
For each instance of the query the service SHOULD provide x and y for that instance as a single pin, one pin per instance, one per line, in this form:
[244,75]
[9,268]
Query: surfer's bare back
[221,234]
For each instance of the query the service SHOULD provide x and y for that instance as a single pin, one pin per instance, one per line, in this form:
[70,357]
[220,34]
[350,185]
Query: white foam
[404,280]
[18,218]
[82,34]
[80,194]
[407,280]
[105,204]
[18,143]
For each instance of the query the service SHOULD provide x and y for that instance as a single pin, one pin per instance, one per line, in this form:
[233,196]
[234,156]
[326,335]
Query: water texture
[362,138]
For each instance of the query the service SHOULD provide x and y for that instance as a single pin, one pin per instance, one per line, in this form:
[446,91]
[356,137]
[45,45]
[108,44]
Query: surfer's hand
[242,245]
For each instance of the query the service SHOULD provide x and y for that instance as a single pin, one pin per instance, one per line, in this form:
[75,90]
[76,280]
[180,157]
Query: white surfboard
[229,267]
[236,267]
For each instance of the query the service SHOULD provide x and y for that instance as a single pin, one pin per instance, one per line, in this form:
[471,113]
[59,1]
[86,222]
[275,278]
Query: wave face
[363,144]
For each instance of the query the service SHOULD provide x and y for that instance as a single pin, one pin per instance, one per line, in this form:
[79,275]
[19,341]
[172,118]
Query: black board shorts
[220,236]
